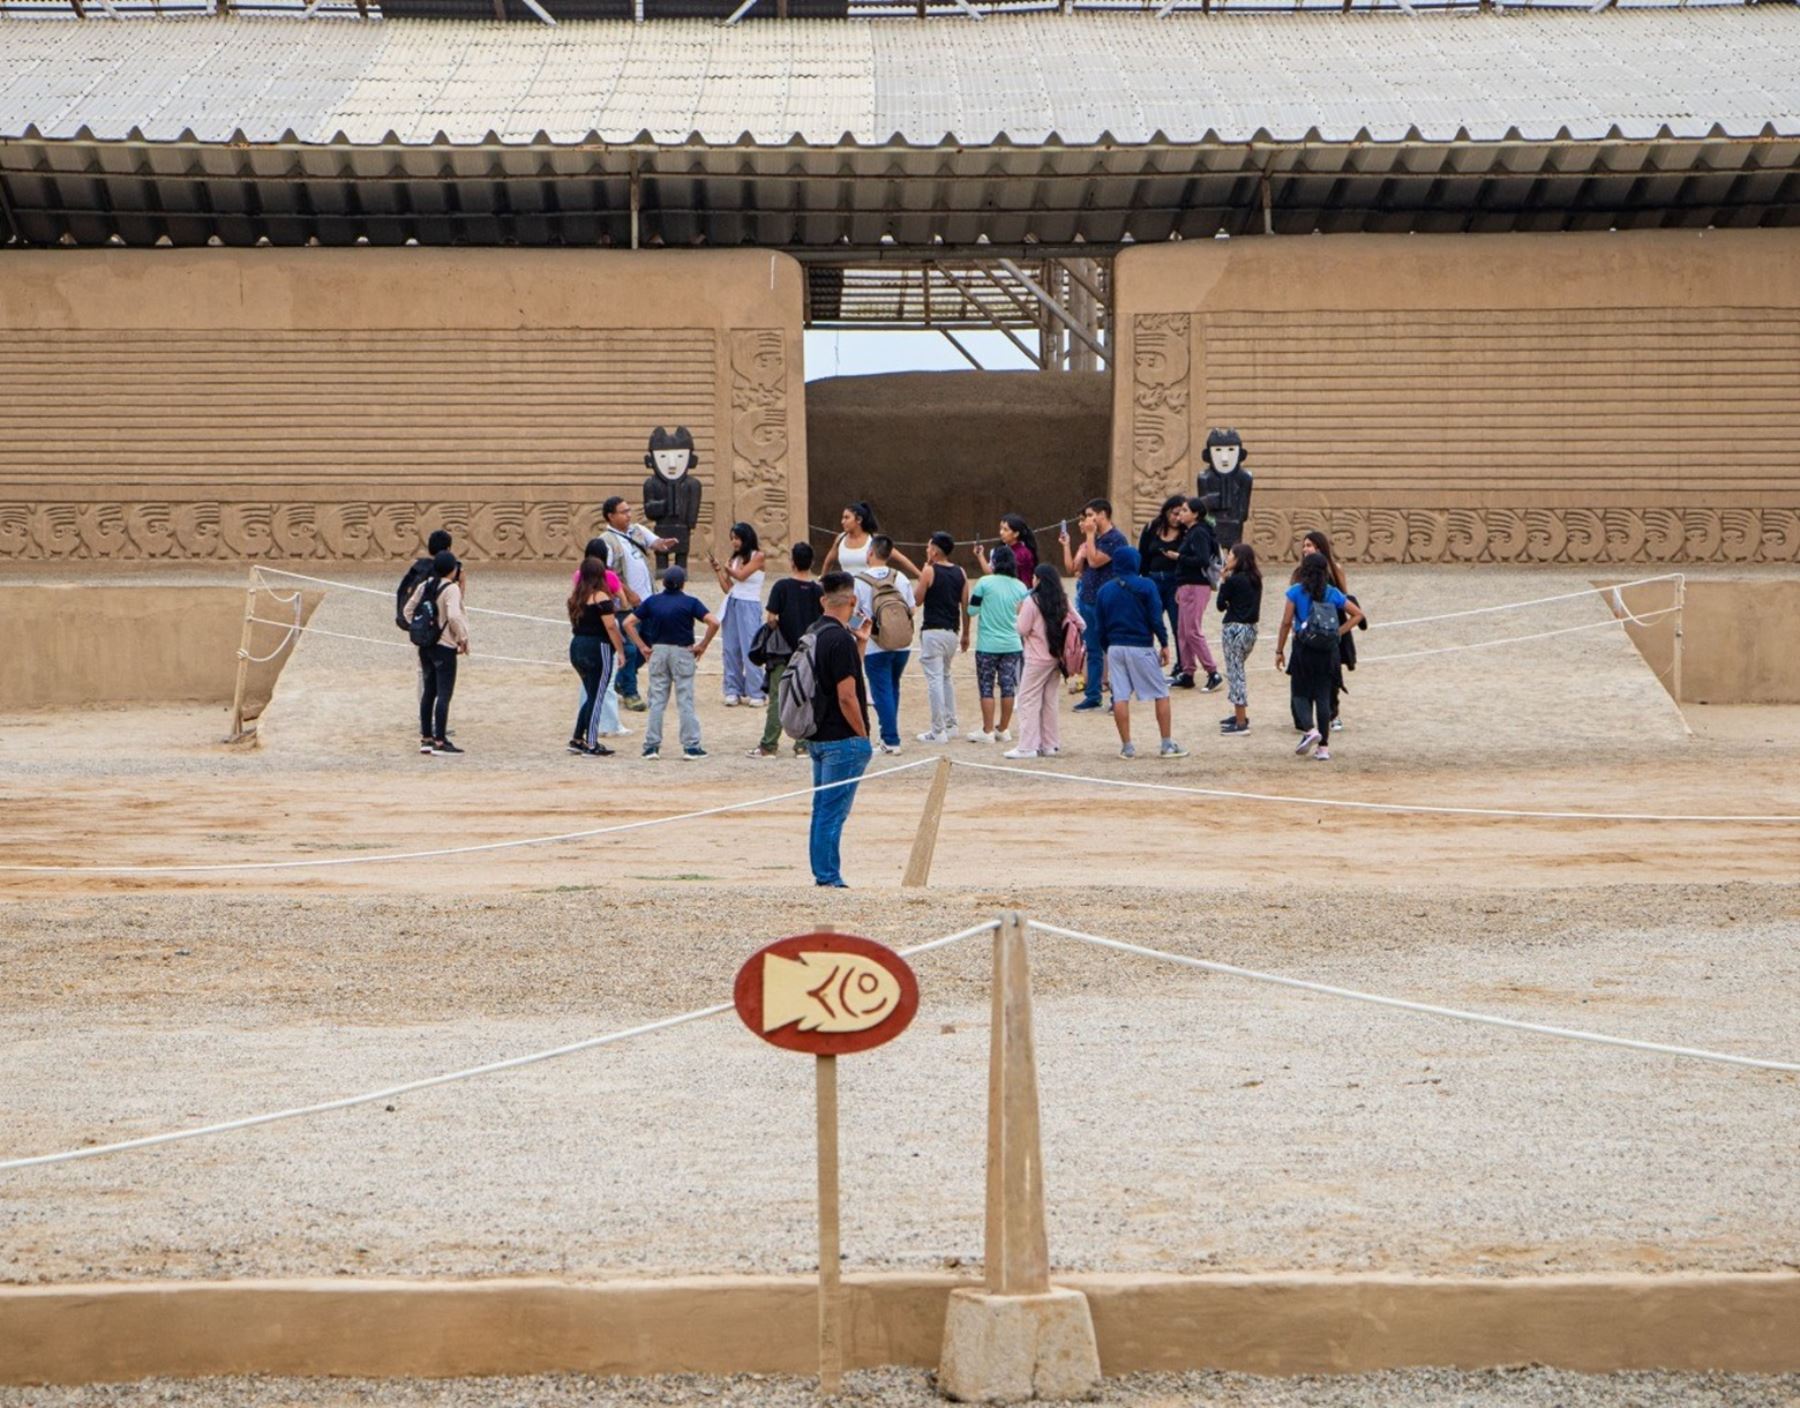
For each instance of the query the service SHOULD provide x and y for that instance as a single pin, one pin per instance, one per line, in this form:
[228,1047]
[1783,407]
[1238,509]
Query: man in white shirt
[628,549]
[884,664]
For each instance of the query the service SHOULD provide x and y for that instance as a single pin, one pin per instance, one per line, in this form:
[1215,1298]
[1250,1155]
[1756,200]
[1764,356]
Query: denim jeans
[833,762]
[1096,658]
[884,670]
[627,673]
[1166,587]
[671,672]
[937,653]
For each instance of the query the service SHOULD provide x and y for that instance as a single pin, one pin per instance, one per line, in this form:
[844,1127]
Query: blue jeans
[884,670]
[1096,658]
[627,674]
[833,762]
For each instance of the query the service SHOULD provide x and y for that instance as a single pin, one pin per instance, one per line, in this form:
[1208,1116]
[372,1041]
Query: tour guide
[840,746]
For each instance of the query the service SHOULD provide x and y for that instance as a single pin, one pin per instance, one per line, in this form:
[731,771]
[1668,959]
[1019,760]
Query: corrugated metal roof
[1079,80]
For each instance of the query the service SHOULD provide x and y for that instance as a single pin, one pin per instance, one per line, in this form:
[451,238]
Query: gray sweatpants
[672,668]
[937,653]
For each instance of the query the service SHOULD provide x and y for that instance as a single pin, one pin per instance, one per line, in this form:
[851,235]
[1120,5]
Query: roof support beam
[537,9]
[740,12]
[980,308]
[968,356]
[1069,320]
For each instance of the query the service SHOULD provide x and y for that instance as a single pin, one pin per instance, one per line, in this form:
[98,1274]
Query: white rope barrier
[512,1063]
[1404,808]
[408,645]
[1520,605]
[377,591]
[558,839]
[286,640]
[1647,617]
[1403,1004]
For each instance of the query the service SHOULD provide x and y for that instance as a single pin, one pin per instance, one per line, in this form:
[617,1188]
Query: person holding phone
[1092,565]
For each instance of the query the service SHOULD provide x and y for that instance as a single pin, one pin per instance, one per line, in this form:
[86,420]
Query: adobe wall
[317,405]
[955,450]
[1476,398]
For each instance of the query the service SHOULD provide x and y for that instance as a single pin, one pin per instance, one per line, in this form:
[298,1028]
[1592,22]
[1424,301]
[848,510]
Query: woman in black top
[946,595]
[1240,601]
[594,644]
[1159,545]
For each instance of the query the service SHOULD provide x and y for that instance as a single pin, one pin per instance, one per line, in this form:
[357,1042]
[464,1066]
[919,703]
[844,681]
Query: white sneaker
[620,732]
[980,737]
[1019,753]
[893,748]
[1305,745]
[1003,736]
[731,701]
[933,736]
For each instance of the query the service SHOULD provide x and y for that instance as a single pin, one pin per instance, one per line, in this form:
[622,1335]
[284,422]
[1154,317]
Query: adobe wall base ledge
[1296,1323]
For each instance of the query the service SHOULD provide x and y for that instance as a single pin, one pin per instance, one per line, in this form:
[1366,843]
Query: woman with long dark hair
[1318,613]
[1317,541]
[741,580]
[850,551]
[1160,547]
[1016,536]
[1240,601]
[1050,631]
[594,645]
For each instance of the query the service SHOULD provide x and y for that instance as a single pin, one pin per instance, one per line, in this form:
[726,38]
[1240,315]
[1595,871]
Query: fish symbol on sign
[826,992]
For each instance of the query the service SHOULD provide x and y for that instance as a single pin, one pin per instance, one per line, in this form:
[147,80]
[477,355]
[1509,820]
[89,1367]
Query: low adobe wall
[339,404]
[1518,398]
[131,643]
[1278,1324]
[1736,639]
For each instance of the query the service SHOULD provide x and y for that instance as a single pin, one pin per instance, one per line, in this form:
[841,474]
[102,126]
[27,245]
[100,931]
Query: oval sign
[826,994]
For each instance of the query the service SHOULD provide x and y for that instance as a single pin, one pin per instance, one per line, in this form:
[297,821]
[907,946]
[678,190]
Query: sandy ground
[910,1388]
[1192,1122]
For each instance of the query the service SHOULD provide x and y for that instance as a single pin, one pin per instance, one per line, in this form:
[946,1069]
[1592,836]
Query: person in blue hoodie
[1131,636]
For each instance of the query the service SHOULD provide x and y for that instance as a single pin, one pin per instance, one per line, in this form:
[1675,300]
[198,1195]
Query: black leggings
[437,668]
[1312,689]
[592,657]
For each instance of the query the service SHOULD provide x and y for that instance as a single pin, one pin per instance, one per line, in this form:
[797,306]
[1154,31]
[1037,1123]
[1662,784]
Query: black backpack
[1319,631]
[425,627]
[416,573]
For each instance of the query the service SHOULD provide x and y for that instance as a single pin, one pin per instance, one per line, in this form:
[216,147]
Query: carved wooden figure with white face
[672,493]
[1226,477]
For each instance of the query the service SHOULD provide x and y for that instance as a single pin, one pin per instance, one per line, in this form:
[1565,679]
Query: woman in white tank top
[850,553]
[742,582]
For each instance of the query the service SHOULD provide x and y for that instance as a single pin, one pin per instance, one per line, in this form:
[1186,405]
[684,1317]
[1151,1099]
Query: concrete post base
[1010,1349]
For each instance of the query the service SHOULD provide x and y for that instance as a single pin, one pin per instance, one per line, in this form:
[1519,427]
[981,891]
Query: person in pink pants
[1051,631]
[1195,573]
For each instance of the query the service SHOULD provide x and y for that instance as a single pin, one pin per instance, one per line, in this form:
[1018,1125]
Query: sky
[857,353]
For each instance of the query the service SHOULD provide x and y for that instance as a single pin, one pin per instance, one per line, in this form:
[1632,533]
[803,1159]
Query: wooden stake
[831,1310]
[1018,1252]
[918,865]
[243,662]
[1680,632]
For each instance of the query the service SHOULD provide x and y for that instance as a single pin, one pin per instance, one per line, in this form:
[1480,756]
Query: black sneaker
[1228,719]
[1213,681]
[425,745]
[1183,681]
[577,746]
[1233,727]
[600,750]
[693,755]
[444,745]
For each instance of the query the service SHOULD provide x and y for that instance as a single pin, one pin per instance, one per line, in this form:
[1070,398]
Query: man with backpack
[824,704]
[884,598]
[436,623]
[418,570]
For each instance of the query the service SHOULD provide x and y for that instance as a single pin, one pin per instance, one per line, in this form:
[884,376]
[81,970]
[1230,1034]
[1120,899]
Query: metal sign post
[829,995]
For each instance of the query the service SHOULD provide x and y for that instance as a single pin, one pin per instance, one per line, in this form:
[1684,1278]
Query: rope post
[237,734]
[1680,636]
[831,1290]
[1016,1338]
[918,865]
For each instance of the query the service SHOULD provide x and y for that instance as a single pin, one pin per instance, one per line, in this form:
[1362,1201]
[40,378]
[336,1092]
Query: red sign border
[746,994]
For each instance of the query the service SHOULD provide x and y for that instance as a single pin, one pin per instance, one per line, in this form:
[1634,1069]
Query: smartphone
[1063,530]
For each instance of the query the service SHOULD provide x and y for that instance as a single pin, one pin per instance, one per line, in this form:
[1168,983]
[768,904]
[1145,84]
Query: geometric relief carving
[1161,389]
[210,531]
[759,433]
[510,530]
[1569,537]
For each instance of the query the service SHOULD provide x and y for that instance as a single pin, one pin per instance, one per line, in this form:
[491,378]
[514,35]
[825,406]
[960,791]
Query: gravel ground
[1192,1122]
[911,1388]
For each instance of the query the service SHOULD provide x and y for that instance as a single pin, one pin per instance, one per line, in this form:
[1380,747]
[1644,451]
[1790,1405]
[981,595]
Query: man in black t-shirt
[840,744]
[793,606]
